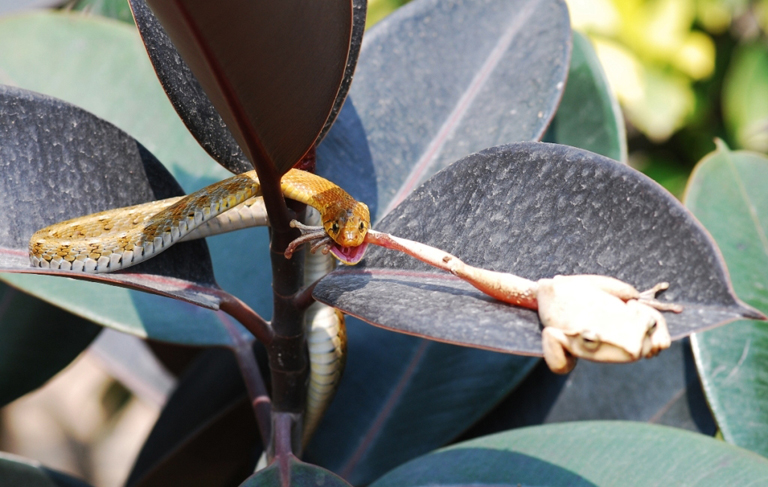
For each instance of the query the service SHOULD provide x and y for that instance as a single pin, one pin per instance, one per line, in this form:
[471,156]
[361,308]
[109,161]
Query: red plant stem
[285,431]
[248,318]
[500,285]
[242,348]
[303,299]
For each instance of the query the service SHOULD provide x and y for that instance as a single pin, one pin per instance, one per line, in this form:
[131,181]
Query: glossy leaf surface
[438,80]
[57,54]
[37,340]
[664,390]
[294,473]
[589,116]
[193,105]
[272,70]
[20,471]
[535,210]
[435,81]
[585,454]
[727,193]
[47,140]
[187,96]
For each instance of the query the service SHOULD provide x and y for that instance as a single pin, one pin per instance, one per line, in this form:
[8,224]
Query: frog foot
[558,358]
[648,297]
[657,336]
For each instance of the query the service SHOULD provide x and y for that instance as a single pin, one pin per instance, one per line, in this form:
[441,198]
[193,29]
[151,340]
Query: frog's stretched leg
[558,358]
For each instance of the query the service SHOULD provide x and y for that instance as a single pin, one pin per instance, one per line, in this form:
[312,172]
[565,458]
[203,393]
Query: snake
[119,238]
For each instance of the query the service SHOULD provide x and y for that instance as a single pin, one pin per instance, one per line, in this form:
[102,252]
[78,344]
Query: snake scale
[116,239]
[119,238]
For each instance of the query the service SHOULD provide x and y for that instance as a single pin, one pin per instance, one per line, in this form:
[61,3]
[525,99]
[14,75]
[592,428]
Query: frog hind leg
[558,358]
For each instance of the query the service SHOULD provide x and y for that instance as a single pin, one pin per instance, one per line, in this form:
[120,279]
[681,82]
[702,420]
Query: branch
[248,318]
[254,383]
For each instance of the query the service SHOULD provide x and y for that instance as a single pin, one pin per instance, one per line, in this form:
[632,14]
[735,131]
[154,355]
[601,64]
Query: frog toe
[558,358]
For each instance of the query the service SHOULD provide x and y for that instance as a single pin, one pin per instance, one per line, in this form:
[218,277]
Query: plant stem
[254,383]
[247,317]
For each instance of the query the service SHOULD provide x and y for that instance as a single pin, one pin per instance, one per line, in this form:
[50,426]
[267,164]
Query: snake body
[326,339]
[116,239]
[119,238]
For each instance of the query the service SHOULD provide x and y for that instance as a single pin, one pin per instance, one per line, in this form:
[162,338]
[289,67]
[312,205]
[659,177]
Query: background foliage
[685,72]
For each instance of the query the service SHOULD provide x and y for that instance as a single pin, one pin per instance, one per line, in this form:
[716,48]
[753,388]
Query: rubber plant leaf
[294,473]
[436,81]
[208,403]
[535,210]
[586,453]
[61,49]
[271,69]
[726,193]
[46,140]
[21,471]
[37,340]
[193,105]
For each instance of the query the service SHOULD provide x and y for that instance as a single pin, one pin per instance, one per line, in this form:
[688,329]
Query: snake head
[348,227]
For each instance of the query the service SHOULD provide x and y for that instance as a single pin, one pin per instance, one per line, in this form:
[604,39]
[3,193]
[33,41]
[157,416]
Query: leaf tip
[721,145]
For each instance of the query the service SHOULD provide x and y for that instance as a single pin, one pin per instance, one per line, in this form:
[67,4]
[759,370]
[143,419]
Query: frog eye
[590,341]
[335,227]
[651,329]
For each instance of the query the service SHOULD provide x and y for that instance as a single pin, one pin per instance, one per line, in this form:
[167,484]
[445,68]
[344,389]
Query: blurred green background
[684,71]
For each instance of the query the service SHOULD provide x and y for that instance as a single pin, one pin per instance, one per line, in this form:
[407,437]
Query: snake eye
[335,227]
[362,226]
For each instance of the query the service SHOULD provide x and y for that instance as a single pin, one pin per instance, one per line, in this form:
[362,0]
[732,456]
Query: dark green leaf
[436,81]
[17,471]
[585,454]
[439,80]
[113,9]
[57,54]
[272,70]
[206,433]
[589,116]
[45,136]
[727,193]
[539,210]
[665,390]
[298,474]
[37,340]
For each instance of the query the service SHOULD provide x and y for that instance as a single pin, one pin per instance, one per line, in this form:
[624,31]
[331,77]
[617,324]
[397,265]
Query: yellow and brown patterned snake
[116,239]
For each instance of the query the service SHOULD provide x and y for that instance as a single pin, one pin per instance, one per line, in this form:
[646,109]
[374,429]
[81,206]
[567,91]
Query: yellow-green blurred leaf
[745,97]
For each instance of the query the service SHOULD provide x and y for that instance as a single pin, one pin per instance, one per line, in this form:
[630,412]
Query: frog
[599,318]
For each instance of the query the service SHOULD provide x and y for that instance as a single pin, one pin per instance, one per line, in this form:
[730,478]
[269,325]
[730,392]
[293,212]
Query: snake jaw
[349,255]
[323,242]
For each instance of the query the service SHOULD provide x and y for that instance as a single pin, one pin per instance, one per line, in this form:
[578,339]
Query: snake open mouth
[349,255]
